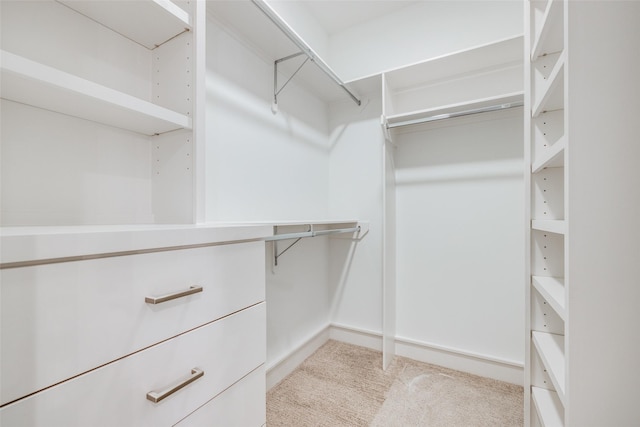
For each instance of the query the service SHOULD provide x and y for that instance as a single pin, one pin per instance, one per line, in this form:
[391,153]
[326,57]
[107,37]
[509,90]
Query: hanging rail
[295,38]
[300,235]
[498,107]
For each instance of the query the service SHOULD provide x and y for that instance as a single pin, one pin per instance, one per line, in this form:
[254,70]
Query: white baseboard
[356,336]
[473,363]
[278,370]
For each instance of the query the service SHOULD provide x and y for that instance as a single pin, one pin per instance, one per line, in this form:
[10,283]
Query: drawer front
[242,405]
[116,394]
[60,320]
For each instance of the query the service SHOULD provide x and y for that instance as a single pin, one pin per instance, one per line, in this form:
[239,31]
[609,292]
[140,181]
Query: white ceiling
[337,15]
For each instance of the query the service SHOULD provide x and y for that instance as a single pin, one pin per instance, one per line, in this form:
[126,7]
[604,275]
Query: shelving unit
[483,78]
[110,79]
[546,143]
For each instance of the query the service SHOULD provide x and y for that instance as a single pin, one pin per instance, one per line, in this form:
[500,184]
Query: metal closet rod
[498,107]
[305,48]
[311,233]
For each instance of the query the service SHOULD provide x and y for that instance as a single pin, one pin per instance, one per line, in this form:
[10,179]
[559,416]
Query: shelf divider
[29,82]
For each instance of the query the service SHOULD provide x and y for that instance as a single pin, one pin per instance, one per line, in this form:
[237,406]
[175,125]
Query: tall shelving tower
[582,103]
[546,144]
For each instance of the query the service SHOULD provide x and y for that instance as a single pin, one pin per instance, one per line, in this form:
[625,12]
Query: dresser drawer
[116,394]
[242,405]
[60,320]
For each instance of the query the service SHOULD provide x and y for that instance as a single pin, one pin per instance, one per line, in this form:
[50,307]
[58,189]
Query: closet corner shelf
[549,408]
[556,226]
[455,110]
[550,348]
[550,32]
[553,91]
[552,289]
[501,52]
[29,82]
[552,157]
[147,22]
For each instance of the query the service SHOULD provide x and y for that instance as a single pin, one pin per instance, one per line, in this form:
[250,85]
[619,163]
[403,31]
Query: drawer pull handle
[157,396]
[157,300]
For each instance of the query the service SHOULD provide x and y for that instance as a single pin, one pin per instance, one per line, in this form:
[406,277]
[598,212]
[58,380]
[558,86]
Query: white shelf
[552,289]
[147,22]
[550,347]
[29,82]
[556,226]
[549,37]
[508,51]
[552,94]
[442,112]
[552,157]
[548,406]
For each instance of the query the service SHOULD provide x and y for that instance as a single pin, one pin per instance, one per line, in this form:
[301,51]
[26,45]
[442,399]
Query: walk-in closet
[275,212]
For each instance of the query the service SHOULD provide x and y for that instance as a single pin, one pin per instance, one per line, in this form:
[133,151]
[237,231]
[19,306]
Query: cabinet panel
[60,320]
[115,395]
[241,405]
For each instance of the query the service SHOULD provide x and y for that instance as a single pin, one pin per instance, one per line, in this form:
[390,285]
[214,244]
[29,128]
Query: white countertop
[29,244]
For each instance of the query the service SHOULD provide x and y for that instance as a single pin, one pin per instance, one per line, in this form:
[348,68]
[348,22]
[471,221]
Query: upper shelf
[248,23]
[476,80]
[507,51]
[147,22]
[39,85]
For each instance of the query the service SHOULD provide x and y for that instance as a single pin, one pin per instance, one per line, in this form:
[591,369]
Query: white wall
[425,30]
[355,191]
[260,166]
[265,167]
[460,244]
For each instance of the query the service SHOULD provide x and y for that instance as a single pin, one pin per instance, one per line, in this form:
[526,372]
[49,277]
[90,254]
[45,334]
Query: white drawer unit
[60,320]
[243,404]
[118,394]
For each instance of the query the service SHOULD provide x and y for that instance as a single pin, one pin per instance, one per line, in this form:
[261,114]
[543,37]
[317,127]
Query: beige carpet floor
[344,385]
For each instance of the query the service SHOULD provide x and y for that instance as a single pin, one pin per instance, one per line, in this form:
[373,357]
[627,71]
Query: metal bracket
[276,91]
[277,255]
